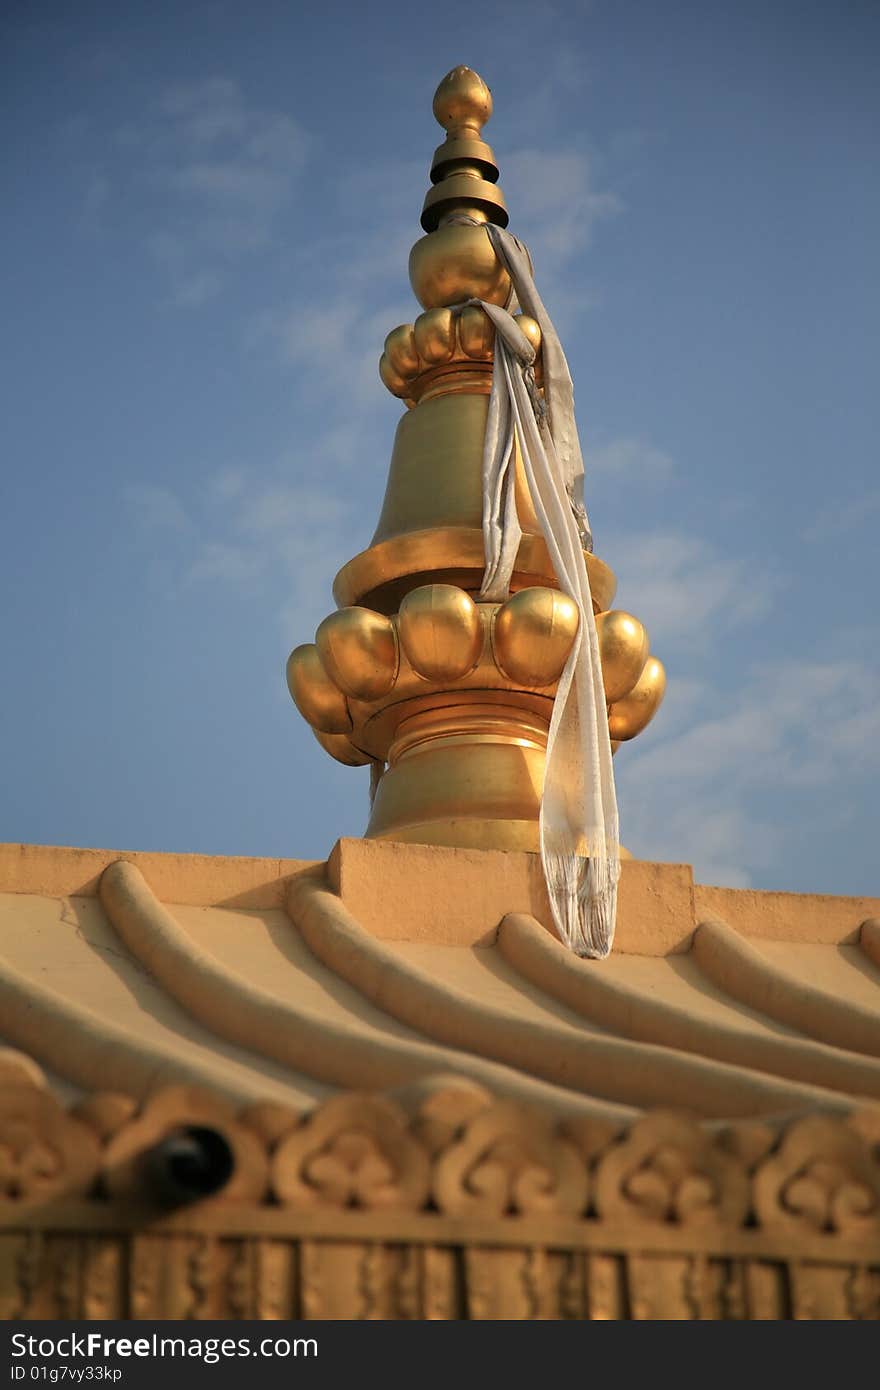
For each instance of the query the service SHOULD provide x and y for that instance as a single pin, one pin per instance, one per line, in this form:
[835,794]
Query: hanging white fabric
[579,835]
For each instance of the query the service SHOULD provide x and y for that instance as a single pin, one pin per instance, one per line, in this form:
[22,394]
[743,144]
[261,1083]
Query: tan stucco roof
[396,964]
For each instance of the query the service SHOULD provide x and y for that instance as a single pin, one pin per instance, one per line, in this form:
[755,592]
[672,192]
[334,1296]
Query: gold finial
[416,669]
[462,102]
[463,170]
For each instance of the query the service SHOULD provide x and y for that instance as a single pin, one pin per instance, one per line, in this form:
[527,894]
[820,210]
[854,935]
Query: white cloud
[333,349]
[680,587]
[206,109]
[234,165]
[198,288]
[96,197]
[629,460]
[317,337]
[555,194]
[791,722]
[231,181]
[685,697]
[218,173]
[794,728]
[93,59]
[732,747]
[231,564]
[157,508]
[212,113]
[290,508]
[189,286]
[722,843]
[840,518]
[282,542]
[227,484]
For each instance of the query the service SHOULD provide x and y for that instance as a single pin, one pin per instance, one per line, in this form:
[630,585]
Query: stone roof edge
[391,887]
[199,880]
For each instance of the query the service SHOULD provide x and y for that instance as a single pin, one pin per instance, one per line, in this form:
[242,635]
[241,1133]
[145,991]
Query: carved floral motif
[353,1151]
[821,1178]
[667,1169]
[44,1152]
[508,1161]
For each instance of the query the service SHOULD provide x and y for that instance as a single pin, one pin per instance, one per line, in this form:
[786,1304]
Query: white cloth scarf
[580,848]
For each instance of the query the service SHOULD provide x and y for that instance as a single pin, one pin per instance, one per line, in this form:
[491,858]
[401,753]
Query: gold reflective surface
[462,103]
[463,189]
[440,631]
[318,700]
[623,648]
[455,263]
[627,717]
[342,749]
[435,478]
[436,355]
[358,650]
[482,780]
[434,333]
[533,634]
[401,351]
[381,575]
[476,333]
[456,694]
[463,170]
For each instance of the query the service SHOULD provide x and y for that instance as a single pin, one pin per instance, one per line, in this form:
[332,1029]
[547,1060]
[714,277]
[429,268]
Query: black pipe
[190,1163]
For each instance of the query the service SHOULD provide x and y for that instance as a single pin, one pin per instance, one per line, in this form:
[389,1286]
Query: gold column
[413,670]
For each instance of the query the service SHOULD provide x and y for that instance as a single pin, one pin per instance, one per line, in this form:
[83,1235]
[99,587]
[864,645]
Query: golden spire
[455,694]
[463,171]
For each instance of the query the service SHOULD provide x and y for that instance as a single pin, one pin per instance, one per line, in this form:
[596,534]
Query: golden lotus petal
[623,647]
[392,379]
[434,333]
[476,333]
[440,630]
[530,328]
[400,349]
[342,749]
[318,700]
[627,717]
[358,649]
[532,635]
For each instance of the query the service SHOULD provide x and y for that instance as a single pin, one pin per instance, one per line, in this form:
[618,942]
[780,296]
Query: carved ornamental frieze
[455,1206]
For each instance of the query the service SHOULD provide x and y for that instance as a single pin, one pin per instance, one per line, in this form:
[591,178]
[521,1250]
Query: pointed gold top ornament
[447,695]
[463,170]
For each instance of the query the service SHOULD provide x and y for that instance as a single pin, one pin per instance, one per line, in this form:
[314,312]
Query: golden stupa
[455,695]
[379,1086]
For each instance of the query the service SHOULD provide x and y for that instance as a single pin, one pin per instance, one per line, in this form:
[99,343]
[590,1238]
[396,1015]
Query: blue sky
[208,211]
